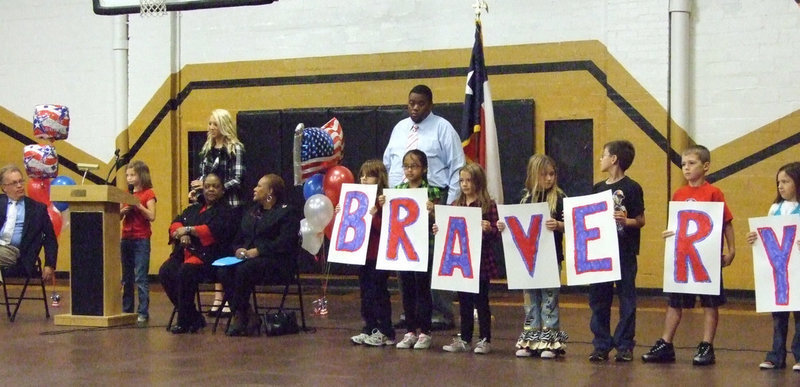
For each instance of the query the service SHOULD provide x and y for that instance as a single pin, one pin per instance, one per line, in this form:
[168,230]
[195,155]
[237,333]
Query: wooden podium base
[95,321]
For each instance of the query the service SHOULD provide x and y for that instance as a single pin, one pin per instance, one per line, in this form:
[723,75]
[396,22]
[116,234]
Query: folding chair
[24,281]
[203,287]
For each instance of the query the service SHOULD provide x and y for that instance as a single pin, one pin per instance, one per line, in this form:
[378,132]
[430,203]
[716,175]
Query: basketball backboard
[121,7]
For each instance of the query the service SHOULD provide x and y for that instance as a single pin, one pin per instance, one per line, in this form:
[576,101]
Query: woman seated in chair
[267,241]
[201,234]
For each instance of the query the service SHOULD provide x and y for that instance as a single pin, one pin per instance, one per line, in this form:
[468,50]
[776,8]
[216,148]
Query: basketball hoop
[153,8]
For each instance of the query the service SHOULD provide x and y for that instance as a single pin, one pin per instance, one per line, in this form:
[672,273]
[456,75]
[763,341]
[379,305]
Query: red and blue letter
[527,243]
[456,230]
[353,218]
[686,255]
[584,235]
[397,233]
[778,255]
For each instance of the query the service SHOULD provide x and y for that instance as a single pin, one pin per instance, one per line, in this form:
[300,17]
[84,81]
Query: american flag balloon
[41,161]
[317,149]
[51,122]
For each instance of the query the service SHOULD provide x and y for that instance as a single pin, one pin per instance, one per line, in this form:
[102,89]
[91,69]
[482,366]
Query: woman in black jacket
[267,241]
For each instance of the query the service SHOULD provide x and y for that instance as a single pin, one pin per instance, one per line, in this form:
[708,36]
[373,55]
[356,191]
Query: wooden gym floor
[36,352]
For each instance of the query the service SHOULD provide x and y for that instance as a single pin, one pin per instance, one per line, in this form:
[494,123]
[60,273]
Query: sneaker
[457,345]
[624,355]
[548,354]
[423,341]
[378,339]
[705,354]
[768,365]
[796,367]
[661,352]
[409,340]
[524,352]
[483,347]
[359,338]
[141,320]
[598,356]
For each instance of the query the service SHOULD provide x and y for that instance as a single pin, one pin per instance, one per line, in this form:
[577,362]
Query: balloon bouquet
[50,123]
[317,153]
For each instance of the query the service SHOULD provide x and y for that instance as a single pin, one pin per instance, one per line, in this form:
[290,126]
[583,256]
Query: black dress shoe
[179,330]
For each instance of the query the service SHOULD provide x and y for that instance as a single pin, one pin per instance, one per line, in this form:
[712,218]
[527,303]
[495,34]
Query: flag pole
[479,6]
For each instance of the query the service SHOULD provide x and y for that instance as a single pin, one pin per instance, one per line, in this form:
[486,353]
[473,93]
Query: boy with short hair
[695,162]
[628,196]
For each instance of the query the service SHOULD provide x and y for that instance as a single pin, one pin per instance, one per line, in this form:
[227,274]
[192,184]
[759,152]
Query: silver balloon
[318,211]
[311,239]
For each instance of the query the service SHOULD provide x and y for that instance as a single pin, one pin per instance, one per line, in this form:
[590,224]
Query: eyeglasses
[18,182]
[412,166]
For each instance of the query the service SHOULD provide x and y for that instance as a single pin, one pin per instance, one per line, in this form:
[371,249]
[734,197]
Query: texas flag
[478,131]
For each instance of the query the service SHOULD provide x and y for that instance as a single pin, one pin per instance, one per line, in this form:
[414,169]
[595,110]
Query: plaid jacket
[230,168]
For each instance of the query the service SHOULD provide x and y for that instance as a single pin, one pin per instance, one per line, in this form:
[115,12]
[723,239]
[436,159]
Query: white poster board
[457,249]
[693,256]
[352,225]
[591,249]
[775,263]
[404,230]
[529,247]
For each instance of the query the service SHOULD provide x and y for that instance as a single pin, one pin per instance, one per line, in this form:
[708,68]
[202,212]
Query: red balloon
[39,189]
[55,218]
[333,180]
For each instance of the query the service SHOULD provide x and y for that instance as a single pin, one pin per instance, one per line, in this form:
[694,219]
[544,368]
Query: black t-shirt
[628,196]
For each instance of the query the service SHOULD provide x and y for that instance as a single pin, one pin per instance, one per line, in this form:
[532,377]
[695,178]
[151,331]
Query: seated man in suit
[25,228]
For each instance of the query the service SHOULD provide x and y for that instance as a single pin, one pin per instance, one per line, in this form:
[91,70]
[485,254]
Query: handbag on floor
[280,323]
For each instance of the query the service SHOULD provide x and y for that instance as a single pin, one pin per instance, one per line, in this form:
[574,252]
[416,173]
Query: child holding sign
[376,308]
[788,181]
[541,333]
[695,162]
[474,194]
[416,286]
[628,198]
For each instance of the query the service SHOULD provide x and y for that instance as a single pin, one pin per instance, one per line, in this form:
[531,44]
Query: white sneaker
[548,354]
[524,352]
[359,338]
[423,342]
[378,339]
[457,345]
[483,347]
[409,340]
[796,367]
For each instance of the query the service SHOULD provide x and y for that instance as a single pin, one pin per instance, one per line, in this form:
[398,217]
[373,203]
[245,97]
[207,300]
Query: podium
[95,267]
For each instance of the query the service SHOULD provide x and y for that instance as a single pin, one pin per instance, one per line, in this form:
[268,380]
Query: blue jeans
[600,297]
[135,254]
[543,310]
[780,329]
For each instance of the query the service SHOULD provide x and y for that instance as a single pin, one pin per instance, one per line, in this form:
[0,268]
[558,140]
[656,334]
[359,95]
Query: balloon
[334,178]
[62,180]
[55,218]
[39,190]
[313,186]
[41,161]
[318,211]
[51,122]
[311,239]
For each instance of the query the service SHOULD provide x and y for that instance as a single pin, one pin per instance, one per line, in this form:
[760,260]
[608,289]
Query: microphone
[114,168]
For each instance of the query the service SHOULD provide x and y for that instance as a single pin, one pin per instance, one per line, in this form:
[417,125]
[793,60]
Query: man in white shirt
[436,137]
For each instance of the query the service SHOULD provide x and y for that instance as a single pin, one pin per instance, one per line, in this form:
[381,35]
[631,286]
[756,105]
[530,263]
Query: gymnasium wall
[606,61]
